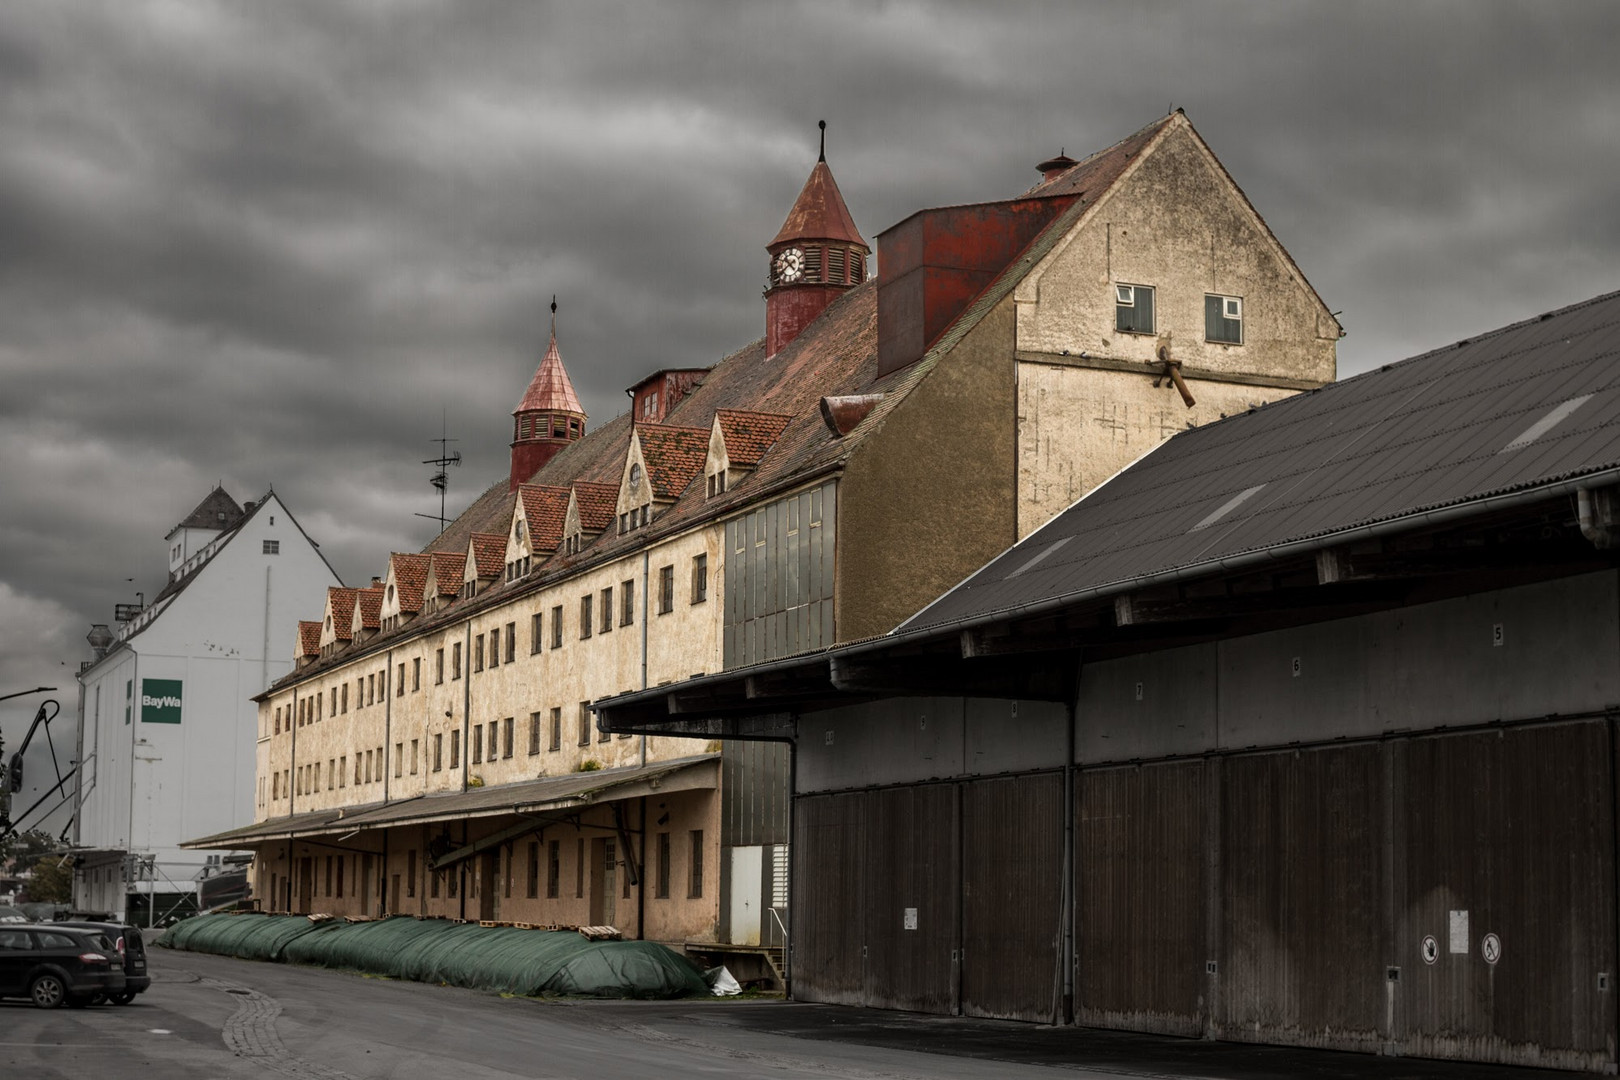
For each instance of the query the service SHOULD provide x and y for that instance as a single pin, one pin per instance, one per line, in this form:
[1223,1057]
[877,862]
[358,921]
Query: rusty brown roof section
[550,389]
[820,213]
[340,601]
[368,603]
[410,575]
[1097,173]
[674,455]
[544,507]
[309,638]
[749,434]
[488,551]
[596,504]
[445,572]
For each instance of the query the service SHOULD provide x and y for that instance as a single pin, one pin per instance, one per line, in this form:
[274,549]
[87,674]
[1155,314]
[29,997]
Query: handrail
[782,927]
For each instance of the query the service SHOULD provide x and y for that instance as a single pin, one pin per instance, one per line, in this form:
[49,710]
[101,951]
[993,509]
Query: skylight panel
[1227,507]
[1558,415]
[1038,559]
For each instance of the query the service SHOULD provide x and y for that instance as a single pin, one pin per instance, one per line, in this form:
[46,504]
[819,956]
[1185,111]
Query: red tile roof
[489,552]
[1097,173]
[341,601]
[309,638]
[674,455]
[446,571]
[550,389]
[819,213]
[369,603]
[597,503]
[545,508]
[749,434]
[410,575]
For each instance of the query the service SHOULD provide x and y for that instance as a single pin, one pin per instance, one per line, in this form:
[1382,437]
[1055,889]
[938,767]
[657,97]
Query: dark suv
[54,965]
[131,950]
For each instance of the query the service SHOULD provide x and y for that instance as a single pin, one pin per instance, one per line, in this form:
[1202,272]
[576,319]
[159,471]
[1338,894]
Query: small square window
[1133,309]
[1223,319]
[272,547]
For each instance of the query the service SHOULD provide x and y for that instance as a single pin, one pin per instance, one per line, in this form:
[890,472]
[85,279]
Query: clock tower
[817,255]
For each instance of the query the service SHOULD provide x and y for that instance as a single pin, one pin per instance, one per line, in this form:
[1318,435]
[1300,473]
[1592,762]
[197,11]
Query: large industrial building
[165,738]
[1300,730]
[435,753]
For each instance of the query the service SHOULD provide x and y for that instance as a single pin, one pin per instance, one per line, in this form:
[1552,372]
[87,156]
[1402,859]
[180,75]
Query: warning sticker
[1458,932]
[1431,949]
[1490,947]
[911,918]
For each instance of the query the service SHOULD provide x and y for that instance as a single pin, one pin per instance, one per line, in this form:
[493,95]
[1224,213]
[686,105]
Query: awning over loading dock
[546,796]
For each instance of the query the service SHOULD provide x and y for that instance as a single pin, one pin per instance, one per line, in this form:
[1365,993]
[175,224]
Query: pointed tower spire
[817,255]
[548,418]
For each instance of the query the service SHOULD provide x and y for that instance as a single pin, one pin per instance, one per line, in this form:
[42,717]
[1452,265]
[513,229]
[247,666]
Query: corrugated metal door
[1140,884]
[1012,896]
[912,884]
[1302,889]
[828,920]
[1508,833]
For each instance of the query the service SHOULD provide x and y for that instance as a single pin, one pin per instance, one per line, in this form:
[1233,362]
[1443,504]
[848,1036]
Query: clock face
[788,266]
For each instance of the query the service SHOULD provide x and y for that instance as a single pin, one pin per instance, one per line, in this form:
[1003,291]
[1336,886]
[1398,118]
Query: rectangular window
[694,882]
[534,733]
[433,883]
[511,642]
[556,727]
[410,870]
[357,767]
[579,869]
[455,661]
[368,766]
[399,683]
[478,744]
[584,617]
[438,667]
[272,547]
[532,888]
[342,861]
[343,771]
[478,653]
[607,609]
[556,627]
[627,603]
[438,752]
[584,723]
[360,692]
[1223,319]
[604,736]
[416,747]
[661,891]
[416,674]
[534,633]
[494,736]
[344,698]
[371,689]
[666,589]
[452,880]
[455,749]
[495,647]
[399,759]
[553,869]
[700,578]
[1133,309]
[334,700]
[329,875]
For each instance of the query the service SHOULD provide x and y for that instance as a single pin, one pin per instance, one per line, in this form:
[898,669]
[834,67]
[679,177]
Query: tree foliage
[25,849]
[52,882]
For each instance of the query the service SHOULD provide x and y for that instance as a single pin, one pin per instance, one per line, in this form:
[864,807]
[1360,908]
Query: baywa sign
[160,701]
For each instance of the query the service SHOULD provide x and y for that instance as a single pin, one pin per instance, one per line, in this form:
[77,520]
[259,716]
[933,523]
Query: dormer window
[635,474]
[717,484]
[1133,309]
[517,529]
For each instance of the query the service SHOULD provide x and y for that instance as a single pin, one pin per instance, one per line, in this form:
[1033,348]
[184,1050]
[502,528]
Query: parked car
[131,950]
[56,965]
[10,914]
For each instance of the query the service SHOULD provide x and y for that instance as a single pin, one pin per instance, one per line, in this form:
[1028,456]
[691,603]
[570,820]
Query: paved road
[210,1017]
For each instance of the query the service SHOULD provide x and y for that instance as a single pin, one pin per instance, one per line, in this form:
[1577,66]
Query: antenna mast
[441,479]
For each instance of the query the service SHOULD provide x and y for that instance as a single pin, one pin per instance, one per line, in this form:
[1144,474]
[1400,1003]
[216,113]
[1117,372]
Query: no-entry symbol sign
[1431,949]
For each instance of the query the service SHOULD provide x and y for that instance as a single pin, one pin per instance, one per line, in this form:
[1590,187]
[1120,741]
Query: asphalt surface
[213,1017]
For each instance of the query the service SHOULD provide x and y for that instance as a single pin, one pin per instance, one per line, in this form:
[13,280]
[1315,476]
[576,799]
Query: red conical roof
[820,213]
[551,388]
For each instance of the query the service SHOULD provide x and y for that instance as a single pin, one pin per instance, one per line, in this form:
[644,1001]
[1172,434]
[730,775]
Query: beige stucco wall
[1079,426]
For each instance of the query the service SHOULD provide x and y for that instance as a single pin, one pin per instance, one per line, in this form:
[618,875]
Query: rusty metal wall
[828,925]
[1140,870]
[1302,892]
[755,778]
[779,573]
[913,918]
[1012,897]
[1515,828]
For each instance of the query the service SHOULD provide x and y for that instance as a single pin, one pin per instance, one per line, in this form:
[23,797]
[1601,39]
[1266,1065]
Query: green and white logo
[160,701]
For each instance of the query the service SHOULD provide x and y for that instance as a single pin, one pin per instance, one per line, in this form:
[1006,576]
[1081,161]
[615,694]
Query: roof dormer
[738,441]
[402,589]
[486,555]
[367,612]
[537,527]
[443,582]
[660,462]
[337,619]
[590,510]
[309,643]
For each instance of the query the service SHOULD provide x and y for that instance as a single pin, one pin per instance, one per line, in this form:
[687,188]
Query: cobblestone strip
[250,1032]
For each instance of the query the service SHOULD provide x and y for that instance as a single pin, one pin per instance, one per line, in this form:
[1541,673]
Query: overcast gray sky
[276,243]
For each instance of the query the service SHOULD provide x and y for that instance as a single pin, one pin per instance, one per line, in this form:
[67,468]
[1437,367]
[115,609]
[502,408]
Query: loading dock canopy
[1493,461]
[548,796]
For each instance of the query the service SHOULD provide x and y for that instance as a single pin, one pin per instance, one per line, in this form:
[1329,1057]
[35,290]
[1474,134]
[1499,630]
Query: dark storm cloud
[281,243]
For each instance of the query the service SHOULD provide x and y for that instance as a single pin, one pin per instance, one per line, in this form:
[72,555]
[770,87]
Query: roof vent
[842,414]
[1053,167]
